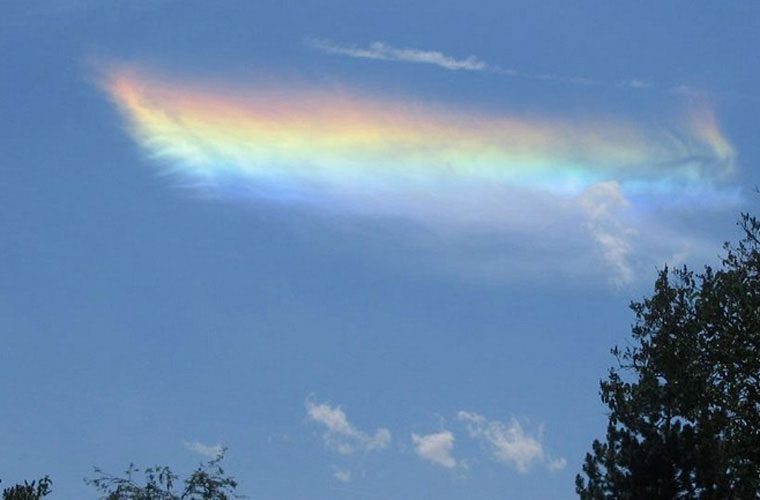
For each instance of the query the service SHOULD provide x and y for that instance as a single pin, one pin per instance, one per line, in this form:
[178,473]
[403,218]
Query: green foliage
[29,491]
[684,401]
[207,482]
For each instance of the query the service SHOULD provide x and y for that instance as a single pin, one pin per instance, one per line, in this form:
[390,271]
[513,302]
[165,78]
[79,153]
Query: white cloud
[604,203]
[385,52]
[208,451]
[342,475]
[636,84]
[508,442]
[556,464]
[342,436]
[436,448]
[686,90]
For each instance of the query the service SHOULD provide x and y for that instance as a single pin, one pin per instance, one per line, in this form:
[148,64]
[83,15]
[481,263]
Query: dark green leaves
[29,491]
[684,399]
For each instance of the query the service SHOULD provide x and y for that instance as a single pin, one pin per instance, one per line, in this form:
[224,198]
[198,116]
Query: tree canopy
[208,482]
[29,491]
[684,398]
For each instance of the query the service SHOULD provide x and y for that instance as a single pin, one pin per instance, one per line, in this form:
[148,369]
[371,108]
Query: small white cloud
[581,80]
[342,475]
[556,464]
[684,89]
[342,436]
[637,84]
[385,52]
[436,448]
[508,441]
[208,451]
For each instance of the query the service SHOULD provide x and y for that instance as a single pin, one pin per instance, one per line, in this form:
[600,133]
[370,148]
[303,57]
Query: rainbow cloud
[452,170]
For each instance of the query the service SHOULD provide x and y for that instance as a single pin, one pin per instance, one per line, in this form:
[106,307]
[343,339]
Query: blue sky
[426,345]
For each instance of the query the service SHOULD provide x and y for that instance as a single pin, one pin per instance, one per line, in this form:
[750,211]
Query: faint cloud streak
[383,51]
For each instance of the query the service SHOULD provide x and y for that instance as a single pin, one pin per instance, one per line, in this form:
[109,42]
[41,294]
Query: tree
[684,399]
[29,491]
[207,482]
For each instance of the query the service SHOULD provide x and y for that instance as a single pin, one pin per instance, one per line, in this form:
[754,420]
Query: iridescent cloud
[442,166]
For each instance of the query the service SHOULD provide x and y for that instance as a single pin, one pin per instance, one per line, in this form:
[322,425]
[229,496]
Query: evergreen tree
[684,400]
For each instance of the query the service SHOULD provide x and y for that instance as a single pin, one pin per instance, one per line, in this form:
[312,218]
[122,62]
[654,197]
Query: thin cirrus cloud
[436,448]
[383,51]
[341,435]
[501,194]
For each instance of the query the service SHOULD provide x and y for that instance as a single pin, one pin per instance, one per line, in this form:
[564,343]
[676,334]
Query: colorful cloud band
[355,154]
[325,145]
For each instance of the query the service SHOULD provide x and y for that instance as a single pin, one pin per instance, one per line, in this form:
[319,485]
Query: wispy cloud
[342,475]
[340,434]
[208,451]
[603,203]
[556,464]
[436,448]
[508,441]
[636,84]
[385,52]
